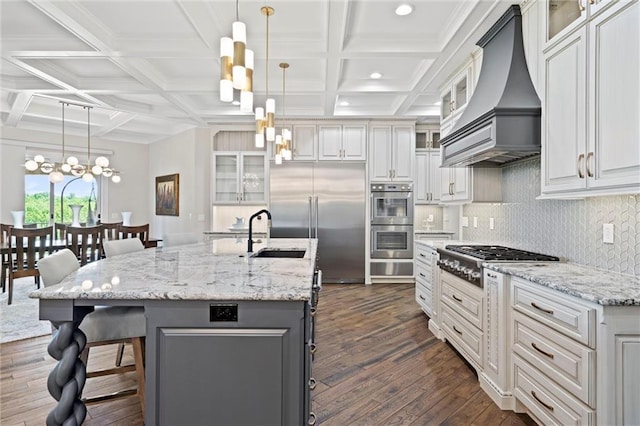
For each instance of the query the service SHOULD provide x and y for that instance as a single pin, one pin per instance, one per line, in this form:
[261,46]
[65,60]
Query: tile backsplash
[570,229]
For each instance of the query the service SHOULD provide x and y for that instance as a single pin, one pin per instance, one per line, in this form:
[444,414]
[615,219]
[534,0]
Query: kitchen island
[228,337]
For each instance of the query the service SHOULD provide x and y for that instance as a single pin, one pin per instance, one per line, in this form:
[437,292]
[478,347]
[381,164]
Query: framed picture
[168,195]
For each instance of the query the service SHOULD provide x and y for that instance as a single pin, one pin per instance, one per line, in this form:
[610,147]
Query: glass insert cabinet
[239,178]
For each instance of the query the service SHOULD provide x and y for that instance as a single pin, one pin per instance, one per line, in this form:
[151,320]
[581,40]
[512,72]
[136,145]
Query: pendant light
[236,66]
[265,117]
[283,141]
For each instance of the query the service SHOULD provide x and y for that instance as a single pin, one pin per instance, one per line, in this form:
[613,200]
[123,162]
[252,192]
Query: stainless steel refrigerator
[324,200]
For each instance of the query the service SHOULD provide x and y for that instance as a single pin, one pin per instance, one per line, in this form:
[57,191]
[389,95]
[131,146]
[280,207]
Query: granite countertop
[210,270]
[595,285]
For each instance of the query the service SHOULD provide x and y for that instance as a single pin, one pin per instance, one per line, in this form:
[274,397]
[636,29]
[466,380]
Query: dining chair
[179,238]
[106,325]
[29,245]
[6,256]
[140,231]
[60,231]
[111,231]
[85,242]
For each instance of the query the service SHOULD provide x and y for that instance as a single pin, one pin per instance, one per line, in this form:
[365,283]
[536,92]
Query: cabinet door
[613,158]
[403,152]
[253,178]
[354,142]
[225,184]
[433,177]
[461,183]
[330,142]
[446,184]
[380,153]
[564,135]
[304,142]
[420,191]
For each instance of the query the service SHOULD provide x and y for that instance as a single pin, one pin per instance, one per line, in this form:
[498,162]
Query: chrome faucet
[256,214]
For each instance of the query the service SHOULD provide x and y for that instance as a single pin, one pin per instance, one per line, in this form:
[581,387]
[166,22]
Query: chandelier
[236,66]
[265,122]
[71,165]
[283,141]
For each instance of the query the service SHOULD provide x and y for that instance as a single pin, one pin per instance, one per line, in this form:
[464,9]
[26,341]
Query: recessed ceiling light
[404,9]
[375,75]
[344,103]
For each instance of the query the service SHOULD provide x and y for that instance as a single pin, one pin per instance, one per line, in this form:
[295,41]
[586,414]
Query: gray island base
[229,340]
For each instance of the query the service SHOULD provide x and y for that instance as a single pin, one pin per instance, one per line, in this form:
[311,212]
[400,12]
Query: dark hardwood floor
[376,364]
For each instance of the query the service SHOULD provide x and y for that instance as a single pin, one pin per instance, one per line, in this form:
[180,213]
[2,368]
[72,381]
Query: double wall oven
[391,221]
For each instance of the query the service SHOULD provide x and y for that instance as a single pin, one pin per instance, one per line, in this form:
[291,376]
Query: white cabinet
[391,152]
[239,178]
[470,184]
[427,136]
[427,182]
[342,142]
[590,127]
[305,142]
[428,284]
[455,95]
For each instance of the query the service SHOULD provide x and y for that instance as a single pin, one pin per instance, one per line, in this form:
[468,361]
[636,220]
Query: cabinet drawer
[561,312]
[424,298]
[423,275]
[462,297]
[464,336]
[423,254]
[567,362]
[549,403]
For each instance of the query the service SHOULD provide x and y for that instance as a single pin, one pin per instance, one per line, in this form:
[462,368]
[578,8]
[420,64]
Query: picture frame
[168,195]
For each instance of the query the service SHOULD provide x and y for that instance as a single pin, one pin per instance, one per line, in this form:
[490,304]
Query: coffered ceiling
[151,67]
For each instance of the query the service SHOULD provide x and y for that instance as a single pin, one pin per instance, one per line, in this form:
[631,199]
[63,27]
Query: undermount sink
[277,252]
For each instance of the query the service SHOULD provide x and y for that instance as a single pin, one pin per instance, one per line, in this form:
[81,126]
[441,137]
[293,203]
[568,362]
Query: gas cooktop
[497,253]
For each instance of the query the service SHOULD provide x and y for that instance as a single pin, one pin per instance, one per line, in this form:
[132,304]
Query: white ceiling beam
[18,108]
[336,32]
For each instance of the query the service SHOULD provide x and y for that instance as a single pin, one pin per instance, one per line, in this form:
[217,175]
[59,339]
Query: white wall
[189,155]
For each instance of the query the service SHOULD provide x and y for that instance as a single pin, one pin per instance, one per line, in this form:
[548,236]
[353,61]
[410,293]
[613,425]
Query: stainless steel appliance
[391,224]
[465,261]
[391,241]
[323,200]
[391,203]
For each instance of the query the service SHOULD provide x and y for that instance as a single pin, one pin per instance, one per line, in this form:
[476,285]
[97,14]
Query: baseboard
[436,330]
[504,400]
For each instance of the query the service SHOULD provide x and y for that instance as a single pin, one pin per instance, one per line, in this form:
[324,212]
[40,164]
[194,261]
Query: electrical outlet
[492,223]
[430,218]
[607,233]
[465,221]
[475,222]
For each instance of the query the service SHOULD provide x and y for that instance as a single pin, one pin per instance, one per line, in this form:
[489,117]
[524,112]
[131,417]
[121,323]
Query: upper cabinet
[460,185]
[427,183]
[392,148]
[565,16]
[590,127]
[342,142]
[304,141]
[239,178]
[428,136]
[454,97]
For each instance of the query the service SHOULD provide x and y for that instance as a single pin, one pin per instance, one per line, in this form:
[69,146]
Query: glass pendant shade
[270,125]
[87,177]
[31,165]
[38,159]
[239,47]
[226,64]
[246,94]
[102,162]
[259,140]
[96,170]
[66,168]
[56,177]
[72,161]
[115,178]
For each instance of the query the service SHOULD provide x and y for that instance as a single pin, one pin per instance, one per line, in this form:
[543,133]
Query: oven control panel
[465,270]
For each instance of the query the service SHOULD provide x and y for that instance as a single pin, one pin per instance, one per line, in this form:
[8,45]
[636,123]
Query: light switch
[607,233]
[465,221]
[492,223]
[475,222]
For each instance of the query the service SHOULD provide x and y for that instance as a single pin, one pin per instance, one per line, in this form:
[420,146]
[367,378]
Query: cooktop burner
[499,253]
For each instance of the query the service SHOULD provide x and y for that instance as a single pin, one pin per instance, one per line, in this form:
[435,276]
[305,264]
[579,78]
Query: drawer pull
[423,275]
[534,346]
[313,311]
[422,297]
[456,298]
[313,348]
[312,383]
[312,418]
[548,407]
[456,330]
[547,311]
[421,255]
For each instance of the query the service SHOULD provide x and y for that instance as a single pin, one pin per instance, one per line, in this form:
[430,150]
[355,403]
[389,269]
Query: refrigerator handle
[309,217]
[317,214]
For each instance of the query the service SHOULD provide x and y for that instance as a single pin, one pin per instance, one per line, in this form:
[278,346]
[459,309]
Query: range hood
[501,122]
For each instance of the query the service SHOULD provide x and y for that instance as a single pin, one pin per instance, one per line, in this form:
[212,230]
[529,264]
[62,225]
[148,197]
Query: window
[43,197]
